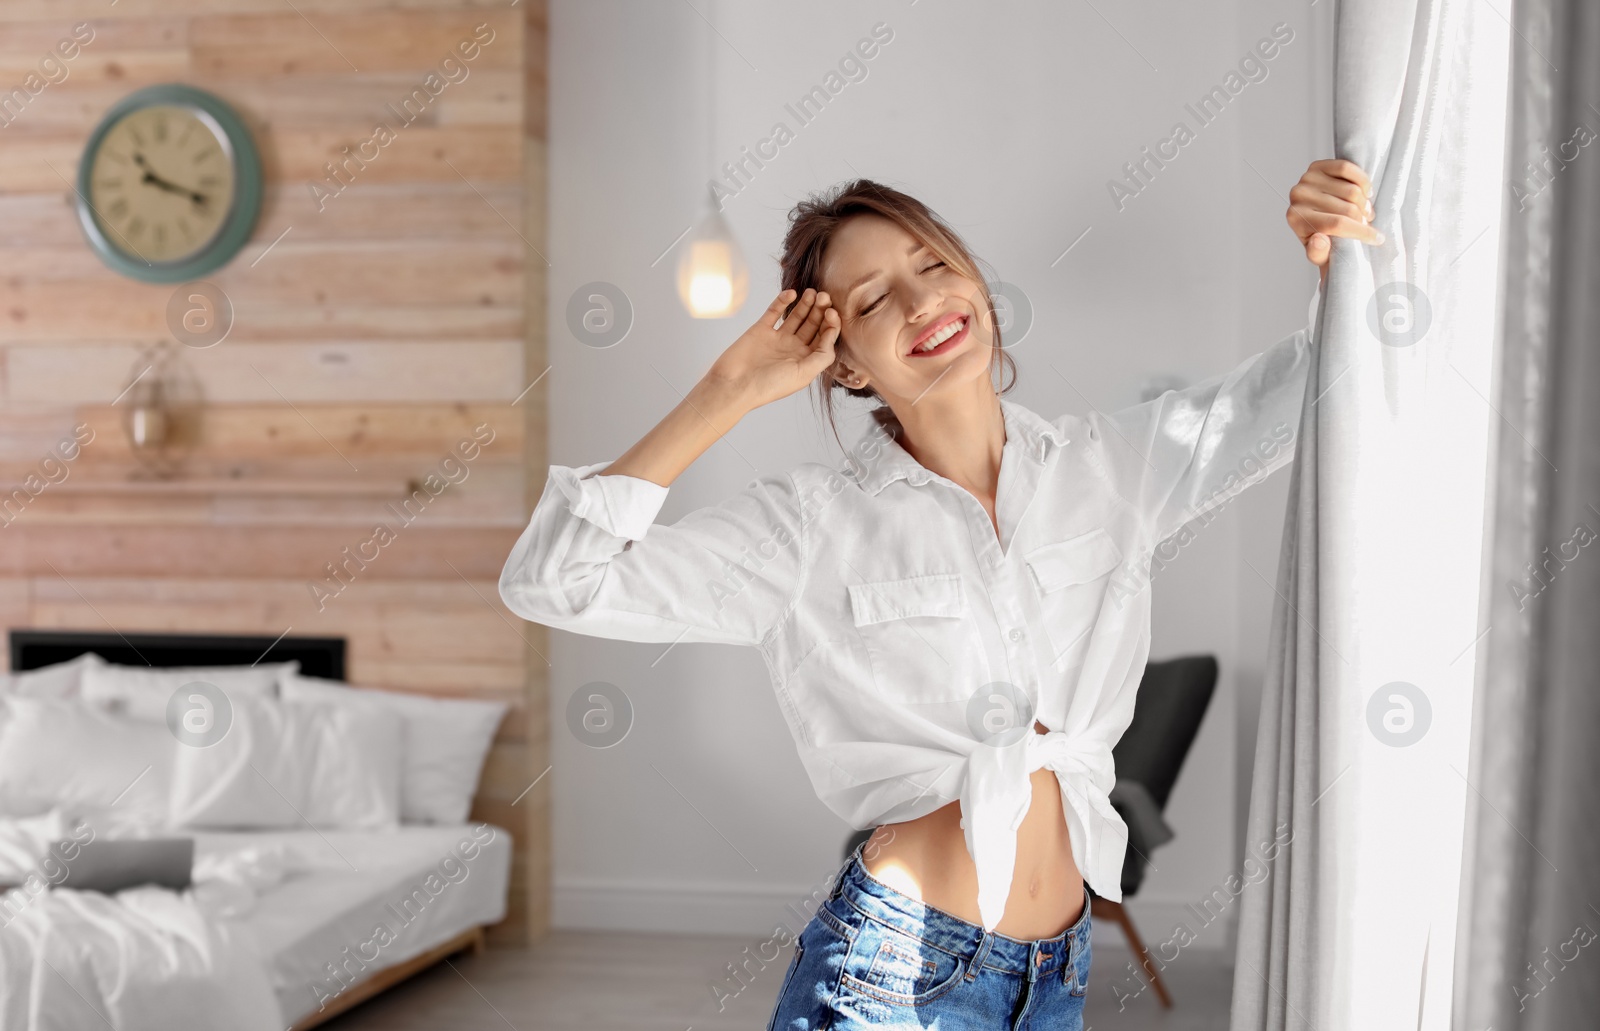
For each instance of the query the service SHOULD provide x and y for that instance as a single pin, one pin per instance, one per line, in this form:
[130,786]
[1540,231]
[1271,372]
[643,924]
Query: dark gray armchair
[1172,700]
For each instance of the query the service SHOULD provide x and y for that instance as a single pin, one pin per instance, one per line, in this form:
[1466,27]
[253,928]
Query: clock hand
[150,177]
[155,180]
[195,197]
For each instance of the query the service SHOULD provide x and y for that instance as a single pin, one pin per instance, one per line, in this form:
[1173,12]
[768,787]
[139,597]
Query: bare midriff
[927,859]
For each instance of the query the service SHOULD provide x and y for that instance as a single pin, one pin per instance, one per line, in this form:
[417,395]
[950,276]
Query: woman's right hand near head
[773,359]
[620,575]
[770,360]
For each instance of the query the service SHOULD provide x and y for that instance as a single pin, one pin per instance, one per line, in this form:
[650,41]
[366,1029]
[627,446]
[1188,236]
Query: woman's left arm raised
[1179,455]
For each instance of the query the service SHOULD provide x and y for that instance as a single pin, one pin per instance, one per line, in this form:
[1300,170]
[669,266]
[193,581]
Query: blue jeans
[873,957]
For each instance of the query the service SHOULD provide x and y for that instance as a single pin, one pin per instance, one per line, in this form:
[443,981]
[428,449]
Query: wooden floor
[607,981]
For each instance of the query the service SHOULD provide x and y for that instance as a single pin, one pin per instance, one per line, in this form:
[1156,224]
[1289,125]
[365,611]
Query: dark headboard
[319,656]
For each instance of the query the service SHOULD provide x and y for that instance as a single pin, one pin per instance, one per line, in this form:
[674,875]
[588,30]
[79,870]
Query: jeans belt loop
[979,955]
[838,879]
[1079,942]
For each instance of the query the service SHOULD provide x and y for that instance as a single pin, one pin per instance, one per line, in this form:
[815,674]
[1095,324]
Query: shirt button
[1015,635]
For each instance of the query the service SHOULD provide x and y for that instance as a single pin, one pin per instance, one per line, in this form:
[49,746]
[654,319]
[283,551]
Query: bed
[307,923]
[285,928]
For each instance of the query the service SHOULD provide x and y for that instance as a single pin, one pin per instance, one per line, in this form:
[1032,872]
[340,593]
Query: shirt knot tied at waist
[998,793]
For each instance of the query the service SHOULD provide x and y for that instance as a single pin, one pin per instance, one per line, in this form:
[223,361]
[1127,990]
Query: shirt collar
[881,460]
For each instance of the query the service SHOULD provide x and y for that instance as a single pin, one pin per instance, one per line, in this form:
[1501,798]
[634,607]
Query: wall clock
[169,186]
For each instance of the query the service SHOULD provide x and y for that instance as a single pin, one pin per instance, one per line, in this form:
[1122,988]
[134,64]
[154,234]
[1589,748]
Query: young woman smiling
[955,626]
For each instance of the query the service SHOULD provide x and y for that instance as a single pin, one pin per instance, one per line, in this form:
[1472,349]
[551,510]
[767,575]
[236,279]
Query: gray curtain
[1528,956]
[1359,802]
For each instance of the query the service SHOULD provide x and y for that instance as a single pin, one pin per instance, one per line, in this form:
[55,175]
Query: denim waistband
[946,931]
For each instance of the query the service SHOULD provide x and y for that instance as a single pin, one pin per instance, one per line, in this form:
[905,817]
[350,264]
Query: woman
[955,623]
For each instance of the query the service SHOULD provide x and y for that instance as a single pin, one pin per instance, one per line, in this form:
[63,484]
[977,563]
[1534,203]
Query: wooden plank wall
[370,337]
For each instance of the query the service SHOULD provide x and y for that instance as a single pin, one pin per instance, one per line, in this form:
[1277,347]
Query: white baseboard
[1167,926]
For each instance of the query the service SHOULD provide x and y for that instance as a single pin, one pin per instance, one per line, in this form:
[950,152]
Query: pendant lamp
[712,276]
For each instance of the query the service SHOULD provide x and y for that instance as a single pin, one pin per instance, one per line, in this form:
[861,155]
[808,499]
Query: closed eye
[871,308]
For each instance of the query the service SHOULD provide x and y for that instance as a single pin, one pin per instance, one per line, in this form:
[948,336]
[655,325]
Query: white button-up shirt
[910,646]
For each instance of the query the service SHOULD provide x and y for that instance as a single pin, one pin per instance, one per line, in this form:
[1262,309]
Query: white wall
[1009,119]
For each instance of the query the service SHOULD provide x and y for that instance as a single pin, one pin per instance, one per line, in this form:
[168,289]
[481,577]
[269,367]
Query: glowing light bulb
[712,277]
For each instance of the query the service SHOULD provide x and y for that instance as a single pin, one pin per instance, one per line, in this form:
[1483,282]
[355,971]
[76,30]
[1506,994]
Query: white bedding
[146,958]
[321,934]
[276,924]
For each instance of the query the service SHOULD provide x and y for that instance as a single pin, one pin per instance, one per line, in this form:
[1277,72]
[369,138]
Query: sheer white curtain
[1362,750]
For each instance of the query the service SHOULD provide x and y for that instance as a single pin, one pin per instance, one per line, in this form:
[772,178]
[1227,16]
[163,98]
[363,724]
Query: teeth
[944,334]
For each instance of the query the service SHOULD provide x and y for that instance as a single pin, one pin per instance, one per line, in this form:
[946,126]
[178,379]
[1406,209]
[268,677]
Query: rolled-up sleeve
[1178,456]
[592,560]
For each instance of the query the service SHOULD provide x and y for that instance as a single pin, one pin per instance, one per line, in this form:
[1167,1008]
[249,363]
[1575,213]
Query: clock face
[162,182]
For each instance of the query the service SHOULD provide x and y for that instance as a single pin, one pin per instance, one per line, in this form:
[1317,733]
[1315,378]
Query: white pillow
[58,680]
[62,752]
[445,742]
[143,692]
[289,764]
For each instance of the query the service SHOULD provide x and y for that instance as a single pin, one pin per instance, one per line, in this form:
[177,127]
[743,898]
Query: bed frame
[388,977]
[318,656]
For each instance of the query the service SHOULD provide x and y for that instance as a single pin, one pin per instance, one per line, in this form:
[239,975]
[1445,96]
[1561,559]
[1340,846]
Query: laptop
[113,865]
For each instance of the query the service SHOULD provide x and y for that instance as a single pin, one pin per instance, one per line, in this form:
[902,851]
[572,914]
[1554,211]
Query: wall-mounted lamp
[161,412]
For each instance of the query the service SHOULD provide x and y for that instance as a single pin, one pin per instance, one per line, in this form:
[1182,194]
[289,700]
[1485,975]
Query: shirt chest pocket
[920,637]
[1072,576]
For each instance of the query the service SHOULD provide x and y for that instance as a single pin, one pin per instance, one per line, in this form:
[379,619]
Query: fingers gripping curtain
[1362,747]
